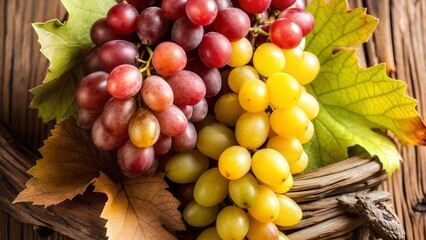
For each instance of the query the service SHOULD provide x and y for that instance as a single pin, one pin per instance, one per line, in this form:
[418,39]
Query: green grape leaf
[65,45]
[356,104]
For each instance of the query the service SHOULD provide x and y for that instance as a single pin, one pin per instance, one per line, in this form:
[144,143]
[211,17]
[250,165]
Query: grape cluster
[212,93]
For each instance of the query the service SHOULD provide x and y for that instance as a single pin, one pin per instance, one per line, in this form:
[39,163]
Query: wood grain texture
[398,41]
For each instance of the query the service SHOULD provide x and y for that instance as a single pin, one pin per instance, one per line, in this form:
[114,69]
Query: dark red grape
[91,93]
[210,76]
[124,81]
[91,63]
[285,33]
[85,119]
[141,4]
[174,9]
[186,109]
[188,88]
[117,114]
[163,144]
[168,59]
[104,140]
[233,23]
[187,34]
[117,52]
[255,6]
[215,50]
[199,111]
[134,161]
[101,32]
[153,26]
[122,18]
[201,12]
[282,4]
[185,141]
[301,17]
[172,121]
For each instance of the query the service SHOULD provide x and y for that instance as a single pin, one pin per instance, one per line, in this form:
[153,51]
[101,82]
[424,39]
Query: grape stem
[257,30]
[147,67]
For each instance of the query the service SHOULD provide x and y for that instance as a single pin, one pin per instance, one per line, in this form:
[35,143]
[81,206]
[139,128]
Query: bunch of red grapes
[157,65]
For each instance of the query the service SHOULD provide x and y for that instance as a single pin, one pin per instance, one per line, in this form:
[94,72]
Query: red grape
[301,17]
[255,6]
[91,93]
[187,34]
[172,121]
[163,144]
[174,9]
[104,140]
[122,18]
[117,114]
[124,81]
[186,109]
[233,23]
[153,26]
[157,93]
[85,119]
[168,59]
[285,33]
[282,4]
[101,32]
[199,111]
[215,50]
[135,161]
[222,4]
[201,12]
[210,76]
[117,52]
[188,88]
[185,141]
[91,63]
[141,4]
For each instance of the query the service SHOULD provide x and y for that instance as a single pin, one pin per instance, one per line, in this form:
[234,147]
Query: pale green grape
[234,162]
[239,75]
[300,165]
[268,59]
[232,223]
[199,216]
[242,51]
[209,234]
[244,191]
[269,166]
[262,231]
[289,214]
[308,69]
[284,90]
[252,129]
[309,105]
[266,207]
[211,188]
[309,133]
[253,96]
[213,139]
[290,148]
[228,109]
[290,122]
[283,187]
[186,167]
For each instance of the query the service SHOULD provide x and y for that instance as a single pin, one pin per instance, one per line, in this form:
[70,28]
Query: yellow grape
[239,75]
[290,122]
[199,216]
[309,133]
[282,236]
[211,188]
[309,105]
[284,90]
[268,59]
[252,129]
[293,58]
[213,139]
[209,234]
[186,167]
[243,191]
[289,213]
[300,165]
[266,207]
[290,148]
[234,162]
[307,71]
[283,187]
[254,96]
[269,166]
[232,223]
[262,231]
[228,109]
[144,129]
[242,51]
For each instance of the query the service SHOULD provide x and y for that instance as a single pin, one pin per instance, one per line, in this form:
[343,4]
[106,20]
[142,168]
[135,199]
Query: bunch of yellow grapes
[246,155]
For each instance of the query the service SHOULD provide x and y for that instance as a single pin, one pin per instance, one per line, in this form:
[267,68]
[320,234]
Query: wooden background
[399,41]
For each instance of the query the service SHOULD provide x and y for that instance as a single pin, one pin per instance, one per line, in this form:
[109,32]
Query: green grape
[239,75]
[208,120]
[290,122]
[262,231]
[252,129]
[253,96]
[242,51]
[232,223]
[244,191]
[309,133]
[309,105]
[209,234]
[186,167]
[290,148]
[284,90]
[282,236]
[266,207]
[213,139]
[228,109]
[293,58]
[211,188]
[268,59]
[199,216]
[234,162]
[283,187]
[289,214]
[308,69]
[270,167]
[300,165]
